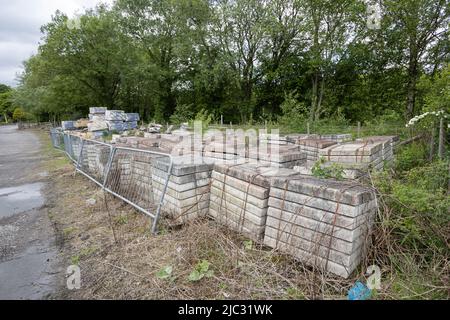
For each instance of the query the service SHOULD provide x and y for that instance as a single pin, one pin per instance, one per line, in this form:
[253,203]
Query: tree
[418,27]
[5,102]
[19,115]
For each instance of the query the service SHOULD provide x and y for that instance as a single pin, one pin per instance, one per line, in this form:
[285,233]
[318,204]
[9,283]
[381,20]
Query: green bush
[411,156]
[419,205]
[183,113]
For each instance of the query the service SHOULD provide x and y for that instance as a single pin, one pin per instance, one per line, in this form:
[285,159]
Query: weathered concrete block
[291,210]
[246,196]
[346,260]
[320,203]
[182,187]
[225,200]
[339,191]
[245,227]
[115,115]
[311,259]
[97,110]
[320,227]
[254,190]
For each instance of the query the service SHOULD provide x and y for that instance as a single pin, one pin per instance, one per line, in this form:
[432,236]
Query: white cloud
[20,23]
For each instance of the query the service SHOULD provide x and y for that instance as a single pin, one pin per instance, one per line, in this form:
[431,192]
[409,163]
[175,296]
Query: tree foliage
[243,59]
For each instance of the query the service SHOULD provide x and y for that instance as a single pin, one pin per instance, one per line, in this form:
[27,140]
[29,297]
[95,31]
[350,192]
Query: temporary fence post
[80,154]
[108,166]
[158,211]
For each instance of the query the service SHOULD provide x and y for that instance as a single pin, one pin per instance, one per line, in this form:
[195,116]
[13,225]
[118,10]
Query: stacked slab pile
[273,138]
[68,125]
[337,137]
[187,195]
[239,197]
[347,173]
[281,156]
[231,149]
[140,188]
[120,121]
[170,142]
[388,144]
[138,143]
[95,159]
[311,148]
[355,155]
[323,223]
[97,122]
[297,137]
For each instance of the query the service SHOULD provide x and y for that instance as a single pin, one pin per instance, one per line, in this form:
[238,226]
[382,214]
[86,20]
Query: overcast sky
[20,22]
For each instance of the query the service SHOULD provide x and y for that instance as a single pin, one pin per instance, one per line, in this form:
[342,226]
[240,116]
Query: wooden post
[433,134]
[221,120]
[231,124]
[359,129]
[307,128]
[441,138]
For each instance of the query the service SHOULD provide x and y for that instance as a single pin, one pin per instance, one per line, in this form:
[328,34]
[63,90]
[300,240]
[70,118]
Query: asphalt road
[28,251]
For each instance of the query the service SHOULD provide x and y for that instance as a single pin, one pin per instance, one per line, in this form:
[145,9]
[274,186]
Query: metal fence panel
[74,147]
[57,138]
[129,178]
[124,172]
[93,160]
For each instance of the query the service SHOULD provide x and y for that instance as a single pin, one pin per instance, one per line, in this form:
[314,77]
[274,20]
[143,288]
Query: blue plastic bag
[359,292]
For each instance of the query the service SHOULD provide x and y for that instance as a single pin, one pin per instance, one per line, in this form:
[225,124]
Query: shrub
[419,204]
[411,156]
[183,113]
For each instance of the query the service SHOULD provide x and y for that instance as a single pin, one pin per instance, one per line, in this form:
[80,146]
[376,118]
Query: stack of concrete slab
[225,150]
[311,148]
[97,121]
[187,195]
[68,125]
[140,189]
[120,121]
[94,159]
[337,137]
[282,156]
[169,142]
[355,155]
[323,223]
[295,138]
[347,173]
[388,144]
[137,142]
[273,138]
[239,196]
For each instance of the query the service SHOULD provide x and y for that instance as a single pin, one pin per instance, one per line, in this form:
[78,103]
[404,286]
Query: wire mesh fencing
[126,173]
[57,138]
[93,160]
[129,178]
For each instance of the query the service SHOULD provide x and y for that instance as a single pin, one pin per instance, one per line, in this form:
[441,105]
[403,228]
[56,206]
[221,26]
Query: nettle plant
[427,118]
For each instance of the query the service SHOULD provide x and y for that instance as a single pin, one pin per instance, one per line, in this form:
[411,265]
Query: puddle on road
[20,199]
[28,276]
